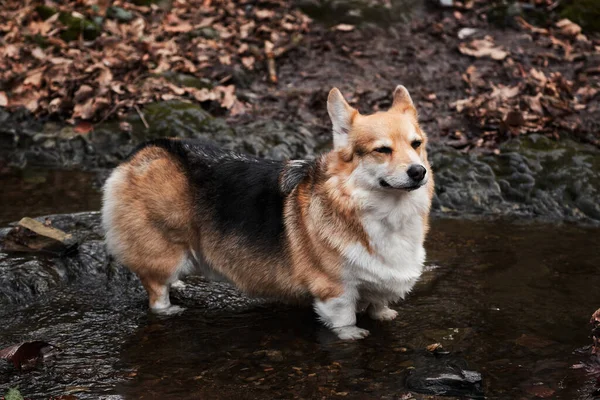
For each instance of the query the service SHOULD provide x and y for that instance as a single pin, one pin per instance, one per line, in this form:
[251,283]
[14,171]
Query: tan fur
[153,218]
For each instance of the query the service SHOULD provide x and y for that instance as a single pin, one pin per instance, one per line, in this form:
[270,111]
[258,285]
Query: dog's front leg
[339,314]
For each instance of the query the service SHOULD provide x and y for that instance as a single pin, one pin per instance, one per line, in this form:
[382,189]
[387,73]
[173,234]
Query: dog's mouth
[410,188]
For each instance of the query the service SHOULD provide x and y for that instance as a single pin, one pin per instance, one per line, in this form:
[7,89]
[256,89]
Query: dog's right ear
[341,114]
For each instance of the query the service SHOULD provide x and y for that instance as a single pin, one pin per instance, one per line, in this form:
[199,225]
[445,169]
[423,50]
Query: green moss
[45,12]
[583,12]
[185,80]
[78,26]
[13,394]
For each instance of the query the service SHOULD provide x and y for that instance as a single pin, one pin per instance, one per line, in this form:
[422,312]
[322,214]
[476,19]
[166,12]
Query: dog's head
[383,151]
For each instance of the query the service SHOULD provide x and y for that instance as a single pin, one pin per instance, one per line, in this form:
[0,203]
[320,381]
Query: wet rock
[26,276]
[34,236]
[532,176]
[445,376]
[119,13]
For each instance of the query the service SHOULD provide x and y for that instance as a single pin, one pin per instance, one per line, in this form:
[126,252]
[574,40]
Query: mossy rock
[185,80]
[78,26]
[583,12]
[45,12]
[119,14]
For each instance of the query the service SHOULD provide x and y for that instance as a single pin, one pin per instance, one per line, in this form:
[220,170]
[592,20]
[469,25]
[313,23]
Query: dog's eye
[384,150]
[416,144]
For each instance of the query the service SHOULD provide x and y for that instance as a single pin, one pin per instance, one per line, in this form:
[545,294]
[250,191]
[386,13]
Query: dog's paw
[351,332]
[383,314]
[171,310]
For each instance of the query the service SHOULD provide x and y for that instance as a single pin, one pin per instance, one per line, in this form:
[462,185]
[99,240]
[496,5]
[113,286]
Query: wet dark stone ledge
[25,276]
[533,177]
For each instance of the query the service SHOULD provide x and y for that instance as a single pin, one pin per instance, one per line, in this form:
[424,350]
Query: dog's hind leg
[162,266]
[147,216]
[158,297]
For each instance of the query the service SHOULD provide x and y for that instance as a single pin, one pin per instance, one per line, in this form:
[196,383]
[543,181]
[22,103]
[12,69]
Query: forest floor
[480,72]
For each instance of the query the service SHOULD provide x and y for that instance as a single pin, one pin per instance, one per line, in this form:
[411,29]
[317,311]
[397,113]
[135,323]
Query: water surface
[512,300]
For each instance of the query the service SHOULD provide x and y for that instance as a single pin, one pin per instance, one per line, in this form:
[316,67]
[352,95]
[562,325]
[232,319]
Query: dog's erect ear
[341,114]
[402,100]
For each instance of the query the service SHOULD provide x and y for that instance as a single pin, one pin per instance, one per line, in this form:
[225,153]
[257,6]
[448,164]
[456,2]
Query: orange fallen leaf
[83,127]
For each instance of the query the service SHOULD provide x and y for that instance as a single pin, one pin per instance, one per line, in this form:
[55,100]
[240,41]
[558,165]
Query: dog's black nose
[416,172]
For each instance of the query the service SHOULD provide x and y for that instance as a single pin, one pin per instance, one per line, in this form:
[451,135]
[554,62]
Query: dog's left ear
[402,100]
[341,114]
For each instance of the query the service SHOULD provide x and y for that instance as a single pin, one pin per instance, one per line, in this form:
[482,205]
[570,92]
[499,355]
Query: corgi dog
[344,230]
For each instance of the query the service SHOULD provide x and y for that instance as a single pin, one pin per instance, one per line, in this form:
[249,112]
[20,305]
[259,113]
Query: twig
[271,61]
[111,112]
[225,79]
[142,116]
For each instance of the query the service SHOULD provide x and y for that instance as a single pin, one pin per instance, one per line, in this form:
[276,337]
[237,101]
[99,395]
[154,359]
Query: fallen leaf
[179,28]
[228,97]
[538,75]
[534,103]
[264,14]
[482,48]
[83,127]
[568,27]
[344,27]
[84,110]
[514,118]
[83,93]
[466,32]
[25,352]
[434,346]
[35,78]
[29,100]
[504,92]
[3,99]
[38,53]
[248,62]
[530,27]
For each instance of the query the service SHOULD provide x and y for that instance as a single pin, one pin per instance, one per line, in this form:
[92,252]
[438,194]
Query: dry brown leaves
[539,101]
[539,104]
[483,48]
[123,66]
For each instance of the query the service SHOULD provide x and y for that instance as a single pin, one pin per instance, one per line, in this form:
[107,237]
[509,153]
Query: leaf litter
[123,63]
[535,76]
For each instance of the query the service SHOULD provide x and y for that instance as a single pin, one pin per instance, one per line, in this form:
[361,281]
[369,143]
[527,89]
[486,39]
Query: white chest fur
[394,225]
